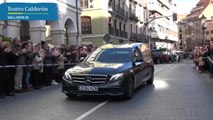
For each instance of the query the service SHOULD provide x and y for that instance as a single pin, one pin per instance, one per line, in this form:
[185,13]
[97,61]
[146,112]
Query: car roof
[129,45]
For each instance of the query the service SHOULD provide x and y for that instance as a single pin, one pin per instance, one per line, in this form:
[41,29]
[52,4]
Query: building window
[180,36]
[86,25]
[130,28]
[119,1]
[130,9]
[180,29]
[84,4]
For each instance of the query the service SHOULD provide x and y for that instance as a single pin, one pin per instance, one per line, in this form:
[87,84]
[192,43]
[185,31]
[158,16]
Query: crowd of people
[35,65]
[202,57]
[164,58]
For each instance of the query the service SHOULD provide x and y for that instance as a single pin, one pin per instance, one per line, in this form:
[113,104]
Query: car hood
[99,68]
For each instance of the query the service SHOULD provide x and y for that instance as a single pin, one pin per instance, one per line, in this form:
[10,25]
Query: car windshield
[115,55]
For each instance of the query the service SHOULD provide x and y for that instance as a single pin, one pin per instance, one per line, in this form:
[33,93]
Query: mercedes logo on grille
[88,80]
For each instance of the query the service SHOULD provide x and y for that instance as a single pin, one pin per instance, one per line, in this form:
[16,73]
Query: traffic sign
[107,38]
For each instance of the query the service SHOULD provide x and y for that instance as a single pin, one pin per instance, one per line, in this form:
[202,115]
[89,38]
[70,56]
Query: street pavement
[178,93]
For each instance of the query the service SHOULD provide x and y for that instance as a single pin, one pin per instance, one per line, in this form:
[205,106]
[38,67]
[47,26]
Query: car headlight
[116,77]
[67,76]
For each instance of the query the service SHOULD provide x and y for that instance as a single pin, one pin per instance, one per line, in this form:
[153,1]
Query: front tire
[129,91]
[151,79]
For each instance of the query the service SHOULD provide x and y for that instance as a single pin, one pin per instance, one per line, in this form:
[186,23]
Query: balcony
[132,16]
[120,12]
[117,32]
[121,33]
[125,35]
[136,37]
[111,30]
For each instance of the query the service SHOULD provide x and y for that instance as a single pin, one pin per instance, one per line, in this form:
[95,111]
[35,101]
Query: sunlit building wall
[195,27]
[122,20]
[163,31]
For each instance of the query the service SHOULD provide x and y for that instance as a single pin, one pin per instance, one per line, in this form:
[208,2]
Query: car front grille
[89,79]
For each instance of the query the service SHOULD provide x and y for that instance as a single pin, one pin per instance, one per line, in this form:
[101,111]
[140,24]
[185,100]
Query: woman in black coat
[4,73]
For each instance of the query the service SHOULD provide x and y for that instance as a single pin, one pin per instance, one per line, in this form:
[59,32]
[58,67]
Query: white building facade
[66,30]
[164,31]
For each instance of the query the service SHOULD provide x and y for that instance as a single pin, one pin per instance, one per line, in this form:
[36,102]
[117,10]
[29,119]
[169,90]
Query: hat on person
[24,44]
[51,46]
[38,44]
[5,44]
[42,43]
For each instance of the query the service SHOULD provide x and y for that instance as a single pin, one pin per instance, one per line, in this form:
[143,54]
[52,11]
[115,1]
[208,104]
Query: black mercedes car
[114,70]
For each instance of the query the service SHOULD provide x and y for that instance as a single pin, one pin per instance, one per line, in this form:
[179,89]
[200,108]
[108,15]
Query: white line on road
[161,68]
[92,110]
[103,103]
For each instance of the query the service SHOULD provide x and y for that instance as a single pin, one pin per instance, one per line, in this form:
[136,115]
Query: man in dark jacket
[4,73]
[20,54]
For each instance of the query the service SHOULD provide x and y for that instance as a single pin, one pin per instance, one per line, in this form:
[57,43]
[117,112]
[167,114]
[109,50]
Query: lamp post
[203,20]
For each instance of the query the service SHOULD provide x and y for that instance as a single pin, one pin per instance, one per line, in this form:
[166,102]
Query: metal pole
[77,22]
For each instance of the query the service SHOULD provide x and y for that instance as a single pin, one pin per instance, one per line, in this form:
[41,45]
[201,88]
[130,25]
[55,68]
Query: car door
[138,66]
[148,63]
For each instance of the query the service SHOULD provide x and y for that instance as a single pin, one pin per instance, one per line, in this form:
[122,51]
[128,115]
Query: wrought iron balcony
[136,37]
[116,32]
[132,16]
[111,30]
[125,35]
[120,12]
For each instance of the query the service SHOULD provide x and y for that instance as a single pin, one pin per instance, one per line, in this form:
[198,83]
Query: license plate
[88,88]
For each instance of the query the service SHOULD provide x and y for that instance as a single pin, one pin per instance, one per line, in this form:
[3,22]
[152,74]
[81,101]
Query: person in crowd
[60,61]
[55,55]
[83,52]
[9,85]
[210,53]
[38,66]
[3,61]
[29,60]
[20,60]
[48,60]
[73,54]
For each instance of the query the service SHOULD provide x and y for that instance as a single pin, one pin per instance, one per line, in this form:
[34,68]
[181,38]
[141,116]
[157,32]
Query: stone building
[195,24]
[121,20]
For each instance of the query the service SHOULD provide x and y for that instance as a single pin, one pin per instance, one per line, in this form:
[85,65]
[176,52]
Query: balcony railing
[125,34]
[120,11]
[136,37]
[117,32]
[132,16]
[111,30]
[133,36]
[121,33]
